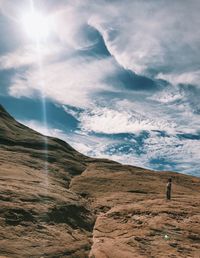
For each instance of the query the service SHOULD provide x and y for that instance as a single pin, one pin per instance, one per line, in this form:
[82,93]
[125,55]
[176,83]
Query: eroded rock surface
[56,202]
[133,217]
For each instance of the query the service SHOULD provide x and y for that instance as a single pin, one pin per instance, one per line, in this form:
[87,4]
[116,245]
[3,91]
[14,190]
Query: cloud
[164,111]
[149,36]
[143,36]
[70,83]
[155,150]
[87,144]
[180,155]
[183,101]
[119,120]
[192,77]
[119,67]
[43,129]
[28,56]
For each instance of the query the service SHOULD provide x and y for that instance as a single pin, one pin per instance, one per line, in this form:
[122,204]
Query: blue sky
[118,79]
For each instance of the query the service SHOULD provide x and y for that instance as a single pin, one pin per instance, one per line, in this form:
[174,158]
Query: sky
[115,79]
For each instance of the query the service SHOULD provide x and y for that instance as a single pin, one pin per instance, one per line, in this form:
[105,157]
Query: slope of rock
[39,216]
[133,217]
[56,202]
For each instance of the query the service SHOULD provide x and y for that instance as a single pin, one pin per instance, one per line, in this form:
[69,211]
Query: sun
[36,25]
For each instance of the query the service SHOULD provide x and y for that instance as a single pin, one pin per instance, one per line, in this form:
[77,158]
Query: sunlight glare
[37,26]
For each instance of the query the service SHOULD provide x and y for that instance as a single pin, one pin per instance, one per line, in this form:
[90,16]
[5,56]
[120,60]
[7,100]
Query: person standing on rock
[169,189]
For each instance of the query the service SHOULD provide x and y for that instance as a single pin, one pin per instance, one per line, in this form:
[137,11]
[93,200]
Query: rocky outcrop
[133,217]
[56,202]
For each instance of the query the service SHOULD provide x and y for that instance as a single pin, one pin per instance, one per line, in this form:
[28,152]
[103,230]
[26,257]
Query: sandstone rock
[56,202]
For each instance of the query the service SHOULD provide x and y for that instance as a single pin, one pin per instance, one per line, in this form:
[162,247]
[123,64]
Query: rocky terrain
[56,202]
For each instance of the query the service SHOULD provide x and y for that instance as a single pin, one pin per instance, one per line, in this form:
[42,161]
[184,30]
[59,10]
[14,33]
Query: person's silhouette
[169,189]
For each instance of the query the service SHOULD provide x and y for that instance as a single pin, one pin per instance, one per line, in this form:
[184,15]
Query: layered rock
[56,202]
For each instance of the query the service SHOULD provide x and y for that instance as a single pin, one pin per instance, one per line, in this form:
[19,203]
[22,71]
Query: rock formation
[56,202]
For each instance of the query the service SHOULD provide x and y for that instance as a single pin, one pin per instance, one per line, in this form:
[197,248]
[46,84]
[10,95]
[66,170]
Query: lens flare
[36,26]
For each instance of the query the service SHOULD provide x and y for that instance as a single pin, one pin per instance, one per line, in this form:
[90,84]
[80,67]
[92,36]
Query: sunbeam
[37,28]
[37,25]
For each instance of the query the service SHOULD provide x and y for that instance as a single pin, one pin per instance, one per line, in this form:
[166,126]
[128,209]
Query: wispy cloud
[70,82]
[191,77]
[90,145]
[90,66]
[155,150]
[113,120]
[28,56]
[142,35]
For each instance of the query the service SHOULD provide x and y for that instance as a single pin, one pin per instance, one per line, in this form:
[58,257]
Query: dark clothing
[168,192]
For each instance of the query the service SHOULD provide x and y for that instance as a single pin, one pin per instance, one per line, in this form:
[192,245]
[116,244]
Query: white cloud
[150,34]
[70,82]
[162,112]
[141,35]
[184,78]
[70,21]
[112,121]
[181,103]
[88,145]
[167,96]
[157,38]
[44,129]
[123,116]
[29,56]
[180,155]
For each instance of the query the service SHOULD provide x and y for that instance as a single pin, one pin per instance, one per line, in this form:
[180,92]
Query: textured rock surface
[56,202]
[39,215]
[133,217]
